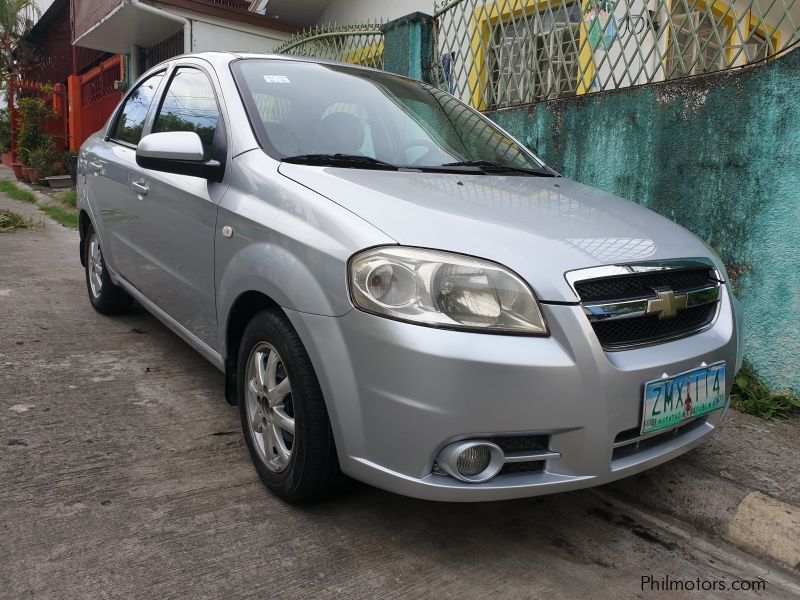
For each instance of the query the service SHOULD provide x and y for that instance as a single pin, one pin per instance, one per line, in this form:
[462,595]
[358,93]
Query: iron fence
[498,53]
[355,44]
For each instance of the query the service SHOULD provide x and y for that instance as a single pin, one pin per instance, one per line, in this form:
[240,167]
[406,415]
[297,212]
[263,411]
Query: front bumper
[397,393]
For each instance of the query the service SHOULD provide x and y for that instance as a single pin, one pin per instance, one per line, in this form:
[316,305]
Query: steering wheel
[415,143]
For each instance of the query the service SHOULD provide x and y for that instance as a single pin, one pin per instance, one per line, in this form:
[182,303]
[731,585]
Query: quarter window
[190,105]
[130,122]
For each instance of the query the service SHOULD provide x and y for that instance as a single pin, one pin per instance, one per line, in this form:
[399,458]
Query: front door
[178,213]
[109,164]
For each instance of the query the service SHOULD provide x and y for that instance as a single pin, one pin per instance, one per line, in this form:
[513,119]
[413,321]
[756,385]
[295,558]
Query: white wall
[210,34]
[234,36]
[346,12]
[43,5]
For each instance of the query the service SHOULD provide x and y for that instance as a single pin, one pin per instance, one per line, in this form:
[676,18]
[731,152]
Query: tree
[13,26]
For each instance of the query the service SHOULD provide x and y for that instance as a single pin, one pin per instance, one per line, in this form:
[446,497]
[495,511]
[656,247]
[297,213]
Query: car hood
[540,227]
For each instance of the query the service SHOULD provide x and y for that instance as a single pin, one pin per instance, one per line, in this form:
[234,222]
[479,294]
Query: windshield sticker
[276,79]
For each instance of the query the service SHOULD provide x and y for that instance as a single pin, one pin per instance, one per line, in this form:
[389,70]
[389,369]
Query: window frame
[121,108]
[173,71]
[484,20]
[759,26]
[723,13]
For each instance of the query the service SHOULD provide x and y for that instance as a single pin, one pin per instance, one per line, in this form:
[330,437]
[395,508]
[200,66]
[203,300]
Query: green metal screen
[355,44]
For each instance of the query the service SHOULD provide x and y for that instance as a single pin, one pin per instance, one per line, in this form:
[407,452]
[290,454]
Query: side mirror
[179,152]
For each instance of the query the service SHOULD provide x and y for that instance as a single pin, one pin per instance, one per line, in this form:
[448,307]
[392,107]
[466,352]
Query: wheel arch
[243,309]
[83,226]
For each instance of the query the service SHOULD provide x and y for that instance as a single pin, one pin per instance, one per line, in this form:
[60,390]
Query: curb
[748,519]
[767,527]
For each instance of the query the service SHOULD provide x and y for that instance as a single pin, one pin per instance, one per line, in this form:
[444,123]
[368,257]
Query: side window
[190,105]
[130,122]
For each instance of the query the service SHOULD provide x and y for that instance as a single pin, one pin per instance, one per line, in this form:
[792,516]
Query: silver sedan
[396,289]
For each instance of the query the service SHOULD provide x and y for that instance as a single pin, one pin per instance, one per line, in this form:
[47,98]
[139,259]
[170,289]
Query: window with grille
[699,40]
[535,57]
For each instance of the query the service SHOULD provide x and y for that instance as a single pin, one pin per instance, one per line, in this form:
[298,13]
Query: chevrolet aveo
[396,289]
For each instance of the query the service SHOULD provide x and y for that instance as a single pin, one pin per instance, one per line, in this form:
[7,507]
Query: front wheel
[283,413]
[106,298]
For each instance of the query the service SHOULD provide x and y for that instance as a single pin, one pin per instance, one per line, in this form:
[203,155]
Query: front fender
[285,241]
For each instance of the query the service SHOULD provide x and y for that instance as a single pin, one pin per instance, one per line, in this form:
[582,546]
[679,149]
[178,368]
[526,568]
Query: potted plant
[71,163]
[41,161]
[33,113]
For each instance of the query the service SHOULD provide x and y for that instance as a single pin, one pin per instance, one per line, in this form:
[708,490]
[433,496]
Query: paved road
[124,475]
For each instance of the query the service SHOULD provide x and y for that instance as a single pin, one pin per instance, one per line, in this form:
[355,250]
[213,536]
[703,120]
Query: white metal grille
[496,53]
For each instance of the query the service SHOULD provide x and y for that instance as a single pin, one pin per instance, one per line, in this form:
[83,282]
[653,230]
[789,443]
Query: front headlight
[444,290]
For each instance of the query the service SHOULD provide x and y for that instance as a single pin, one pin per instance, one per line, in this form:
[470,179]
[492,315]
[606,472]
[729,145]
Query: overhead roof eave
[129,24]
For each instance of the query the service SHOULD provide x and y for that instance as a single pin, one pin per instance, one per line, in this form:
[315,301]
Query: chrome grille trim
[640,438]
[514,457]
[606,311]
[605,271]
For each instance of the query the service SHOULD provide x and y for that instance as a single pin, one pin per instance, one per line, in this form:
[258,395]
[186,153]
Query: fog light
[473,461]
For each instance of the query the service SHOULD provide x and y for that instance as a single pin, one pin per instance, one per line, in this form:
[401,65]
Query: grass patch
[13,192]
[751,395]
[66,217]
[69,198]
[11,221]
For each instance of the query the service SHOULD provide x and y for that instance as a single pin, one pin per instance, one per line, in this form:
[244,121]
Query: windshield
[308,110]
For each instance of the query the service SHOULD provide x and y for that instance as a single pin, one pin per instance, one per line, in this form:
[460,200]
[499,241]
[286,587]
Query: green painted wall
[408,46]
[719,154]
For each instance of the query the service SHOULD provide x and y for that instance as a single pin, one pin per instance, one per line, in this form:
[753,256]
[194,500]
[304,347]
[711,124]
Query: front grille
[640,285]
[613,295]
[641,330]
[531,466]
[521,443]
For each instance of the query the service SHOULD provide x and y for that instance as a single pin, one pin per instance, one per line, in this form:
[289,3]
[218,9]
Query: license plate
[673,400]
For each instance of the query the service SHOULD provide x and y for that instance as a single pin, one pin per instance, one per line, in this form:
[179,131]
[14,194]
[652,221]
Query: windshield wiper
[351,161]
[488,166]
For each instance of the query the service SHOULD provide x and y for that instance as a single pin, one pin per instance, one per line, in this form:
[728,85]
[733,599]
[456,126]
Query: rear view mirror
[179,152]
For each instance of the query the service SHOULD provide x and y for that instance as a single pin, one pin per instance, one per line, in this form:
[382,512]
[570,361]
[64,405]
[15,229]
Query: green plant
[33,113]
[67,156]
[751,395]
[68,218]
[16,56]
[13,192]
[42,160]
[70,198]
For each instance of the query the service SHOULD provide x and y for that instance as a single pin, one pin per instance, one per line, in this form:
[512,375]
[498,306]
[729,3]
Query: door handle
[140,187]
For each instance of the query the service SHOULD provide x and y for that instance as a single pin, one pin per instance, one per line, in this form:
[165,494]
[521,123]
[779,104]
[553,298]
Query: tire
[275,420]
[106,298]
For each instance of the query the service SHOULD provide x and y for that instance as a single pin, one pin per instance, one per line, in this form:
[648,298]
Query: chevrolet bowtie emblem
[667,304]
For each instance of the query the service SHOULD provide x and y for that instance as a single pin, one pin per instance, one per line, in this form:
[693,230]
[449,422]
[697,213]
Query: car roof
[230,56]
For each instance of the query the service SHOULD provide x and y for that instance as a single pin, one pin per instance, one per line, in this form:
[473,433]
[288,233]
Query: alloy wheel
[270,412]
[95,266]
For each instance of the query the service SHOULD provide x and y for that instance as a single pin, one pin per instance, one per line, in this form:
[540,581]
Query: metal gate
[93,97]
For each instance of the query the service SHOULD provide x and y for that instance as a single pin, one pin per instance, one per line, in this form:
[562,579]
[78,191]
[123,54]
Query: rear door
[177,214]
[109,165]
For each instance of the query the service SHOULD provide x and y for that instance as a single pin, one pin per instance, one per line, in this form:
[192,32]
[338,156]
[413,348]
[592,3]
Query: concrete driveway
[124,475]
